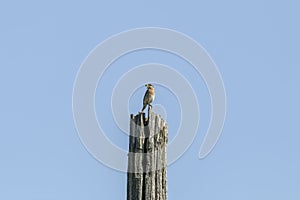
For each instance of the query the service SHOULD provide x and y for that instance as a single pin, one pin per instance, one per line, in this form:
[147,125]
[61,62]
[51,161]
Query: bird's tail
[144,107]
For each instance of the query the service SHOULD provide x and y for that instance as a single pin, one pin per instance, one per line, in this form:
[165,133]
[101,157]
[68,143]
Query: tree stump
[147,165]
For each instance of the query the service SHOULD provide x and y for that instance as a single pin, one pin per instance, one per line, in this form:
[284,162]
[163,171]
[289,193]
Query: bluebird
[149,96]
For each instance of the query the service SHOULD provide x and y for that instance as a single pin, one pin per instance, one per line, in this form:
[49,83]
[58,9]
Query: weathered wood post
[147,168]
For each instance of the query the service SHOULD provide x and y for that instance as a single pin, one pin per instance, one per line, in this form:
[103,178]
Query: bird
[149,96]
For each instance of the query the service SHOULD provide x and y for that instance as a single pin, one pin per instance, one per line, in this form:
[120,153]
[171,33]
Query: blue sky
[255,45]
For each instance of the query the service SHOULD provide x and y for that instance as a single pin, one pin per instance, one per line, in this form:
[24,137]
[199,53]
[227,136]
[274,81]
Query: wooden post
[147,168]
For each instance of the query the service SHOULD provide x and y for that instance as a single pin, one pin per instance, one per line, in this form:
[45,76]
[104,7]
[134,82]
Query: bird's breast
[153,97]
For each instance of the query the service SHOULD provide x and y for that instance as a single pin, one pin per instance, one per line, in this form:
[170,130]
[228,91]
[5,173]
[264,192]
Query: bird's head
[149,86]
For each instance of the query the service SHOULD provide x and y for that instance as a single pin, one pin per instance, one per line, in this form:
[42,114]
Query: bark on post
[147,168]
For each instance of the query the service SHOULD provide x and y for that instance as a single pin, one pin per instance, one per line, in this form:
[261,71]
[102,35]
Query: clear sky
[255,45]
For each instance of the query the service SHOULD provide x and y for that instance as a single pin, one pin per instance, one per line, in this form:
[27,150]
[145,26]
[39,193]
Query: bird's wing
[146,98]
